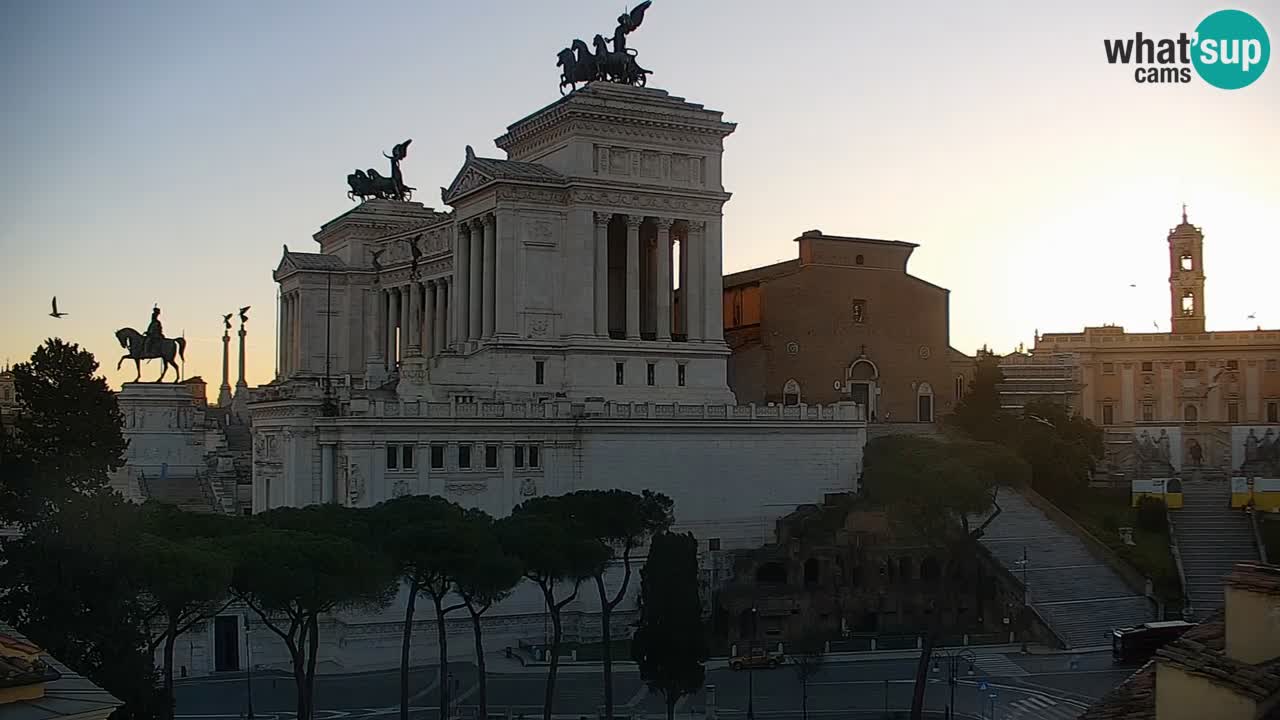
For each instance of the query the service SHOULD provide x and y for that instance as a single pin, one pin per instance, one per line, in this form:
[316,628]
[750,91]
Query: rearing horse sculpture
[166,350]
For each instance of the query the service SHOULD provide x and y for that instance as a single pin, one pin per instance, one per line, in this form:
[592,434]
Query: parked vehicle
[756,659]
[1139,643]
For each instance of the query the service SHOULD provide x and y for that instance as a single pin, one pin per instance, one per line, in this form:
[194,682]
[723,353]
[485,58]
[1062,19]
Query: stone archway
[862,379]
[924,403]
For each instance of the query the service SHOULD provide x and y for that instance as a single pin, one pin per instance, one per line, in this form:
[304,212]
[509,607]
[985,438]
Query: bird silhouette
[226,320]
[244,313]
[1253,316]
[55,313]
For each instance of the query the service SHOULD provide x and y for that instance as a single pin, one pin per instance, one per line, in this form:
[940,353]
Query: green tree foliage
[944,495]
[69,583]
[978,414]
[425,537]
[66,437]
[1060,447]
[1151,514]
[554,548]
[806,657]
[670,644]
[622,521]
[289,578]
[490,575]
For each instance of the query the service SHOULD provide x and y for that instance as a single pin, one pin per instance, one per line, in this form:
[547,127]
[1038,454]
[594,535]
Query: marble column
[429,341]
[682,318]
[240,382]
[406,321]
[602,274]
[282,332]
[475,294]
[297,331]
[444,319]
[327,452]
[393,316]
[373,351]
[695,297]
[506,298]
[489,288]
[662,283]
[633,276]
[414,327]
[224,391]
[462,283]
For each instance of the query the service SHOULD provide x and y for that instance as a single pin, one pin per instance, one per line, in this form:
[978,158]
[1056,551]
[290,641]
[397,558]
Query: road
[1019,687]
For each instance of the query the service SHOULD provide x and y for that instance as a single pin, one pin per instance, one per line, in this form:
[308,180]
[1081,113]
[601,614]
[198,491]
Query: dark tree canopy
[670,644]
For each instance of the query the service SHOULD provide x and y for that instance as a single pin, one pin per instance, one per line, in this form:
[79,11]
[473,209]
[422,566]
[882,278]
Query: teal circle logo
[1232,49]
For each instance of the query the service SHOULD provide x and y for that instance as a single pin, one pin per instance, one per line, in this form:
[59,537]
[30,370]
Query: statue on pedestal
[580,65]
[150,346]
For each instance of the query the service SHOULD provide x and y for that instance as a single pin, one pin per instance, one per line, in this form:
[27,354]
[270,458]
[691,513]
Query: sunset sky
[161,152]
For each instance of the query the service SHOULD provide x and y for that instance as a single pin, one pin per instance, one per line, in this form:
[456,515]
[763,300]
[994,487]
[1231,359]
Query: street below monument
[1010,686]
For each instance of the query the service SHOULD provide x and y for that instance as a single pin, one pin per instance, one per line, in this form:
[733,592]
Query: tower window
[1188,303]
[1186,262]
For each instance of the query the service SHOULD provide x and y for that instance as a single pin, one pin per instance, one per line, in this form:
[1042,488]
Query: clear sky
[164,152]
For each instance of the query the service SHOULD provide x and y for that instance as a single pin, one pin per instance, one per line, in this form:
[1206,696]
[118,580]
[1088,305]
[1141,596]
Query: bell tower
[1186,277]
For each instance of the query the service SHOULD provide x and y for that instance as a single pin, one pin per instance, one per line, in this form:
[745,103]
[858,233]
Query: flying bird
[244,313]
[226,320]
[1253,316]
[1132,285]
[55,313]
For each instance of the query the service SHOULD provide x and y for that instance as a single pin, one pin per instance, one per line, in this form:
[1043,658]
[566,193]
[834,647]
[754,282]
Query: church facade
[527,342]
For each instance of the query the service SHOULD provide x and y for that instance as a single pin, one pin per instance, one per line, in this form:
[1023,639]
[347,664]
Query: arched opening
[1188,303]
[924,403]
[929,569]
[863,381]
[791,392]
[771,573]
[904,569]
[811,568]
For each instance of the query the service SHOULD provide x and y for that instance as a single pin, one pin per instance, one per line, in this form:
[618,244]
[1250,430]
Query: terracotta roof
[314,261]
[516,170]
[1255,577]
[66,694]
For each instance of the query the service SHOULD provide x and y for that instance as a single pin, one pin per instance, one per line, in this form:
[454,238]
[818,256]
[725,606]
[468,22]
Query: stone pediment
[478,172]
[291,262]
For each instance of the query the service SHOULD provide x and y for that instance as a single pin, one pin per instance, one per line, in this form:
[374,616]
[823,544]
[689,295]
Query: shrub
[1151,514]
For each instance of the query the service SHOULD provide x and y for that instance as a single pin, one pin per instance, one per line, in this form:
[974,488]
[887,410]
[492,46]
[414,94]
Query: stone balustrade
[599,410]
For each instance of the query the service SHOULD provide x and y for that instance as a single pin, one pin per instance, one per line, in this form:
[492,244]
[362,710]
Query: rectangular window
[1108,368]
[491,456]
[539,372]
[680,375]
[1272,364]
[1273,412]
[406,457]
[1233,364]
[533,456]
[1233,412]
[1148,412]
[519,459]
[1148,366]
[464,457]
[437,457]
[1108,415]
[713,544]
[1189,366]
[859,311]
[649,373]
[393,457]
[618,373]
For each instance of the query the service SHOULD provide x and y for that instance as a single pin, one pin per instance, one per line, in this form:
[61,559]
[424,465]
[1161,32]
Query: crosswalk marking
[999,665]
[1040,708]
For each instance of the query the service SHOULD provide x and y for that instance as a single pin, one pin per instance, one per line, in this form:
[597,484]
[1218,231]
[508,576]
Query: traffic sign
[982,684]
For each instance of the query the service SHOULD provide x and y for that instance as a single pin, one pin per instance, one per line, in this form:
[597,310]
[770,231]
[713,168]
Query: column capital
[634,221]
[464,227]
[697,225]
[602,219]
[664,223]
[477,223]
[490,220]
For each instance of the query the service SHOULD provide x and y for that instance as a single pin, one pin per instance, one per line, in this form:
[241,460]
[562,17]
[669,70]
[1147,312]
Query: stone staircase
[1079,596]
[187,492]
[1212,537]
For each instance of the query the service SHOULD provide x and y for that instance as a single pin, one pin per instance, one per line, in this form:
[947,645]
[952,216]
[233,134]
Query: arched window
[1188,303]
[959,389]
[924,403]
[771,573]
[791,392]
[1190,413]
[811,567]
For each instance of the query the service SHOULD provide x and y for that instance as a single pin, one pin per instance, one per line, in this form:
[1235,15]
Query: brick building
[843,321]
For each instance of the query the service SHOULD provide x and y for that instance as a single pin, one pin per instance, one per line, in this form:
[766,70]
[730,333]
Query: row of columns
[291,333]
[409,320]
[485,275]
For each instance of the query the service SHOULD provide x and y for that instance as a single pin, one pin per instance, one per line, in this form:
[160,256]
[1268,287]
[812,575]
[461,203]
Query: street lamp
[951,661]
[1024,562]
[248,674]
[751,668]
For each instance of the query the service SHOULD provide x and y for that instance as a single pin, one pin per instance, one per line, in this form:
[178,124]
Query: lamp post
[951,661]
[248,675]
[1024,562]
[751,668]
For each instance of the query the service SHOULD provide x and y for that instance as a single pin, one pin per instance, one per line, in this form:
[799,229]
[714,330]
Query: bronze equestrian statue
[370,183]
[580,65]
[150,346]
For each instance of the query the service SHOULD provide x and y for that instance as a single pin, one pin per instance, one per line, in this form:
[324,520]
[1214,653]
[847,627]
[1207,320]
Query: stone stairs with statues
[1080,597]
[1212,538]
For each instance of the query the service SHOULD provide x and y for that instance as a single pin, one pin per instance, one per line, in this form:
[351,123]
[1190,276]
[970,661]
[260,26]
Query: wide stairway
[1212,537]
[1080,597]
[187,492]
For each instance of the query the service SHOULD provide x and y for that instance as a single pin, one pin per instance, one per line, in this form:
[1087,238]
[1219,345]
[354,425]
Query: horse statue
[580,66]
[365,184]
[619,67]
[166,350]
